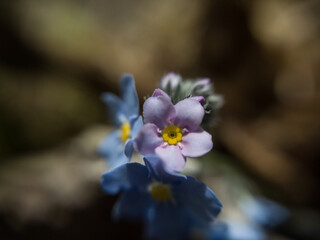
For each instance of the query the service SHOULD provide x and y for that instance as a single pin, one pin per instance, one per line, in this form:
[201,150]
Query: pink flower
[173,132]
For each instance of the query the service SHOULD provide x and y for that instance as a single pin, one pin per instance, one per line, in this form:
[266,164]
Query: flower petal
[116,108]
[196,144]
[189,114]
[206,206]
[109,143]
[117,159]
[158,92]
[136,126]
[147,139]
[125,177]
[202,85]
[170,80]
[168,221]
[172,157]
[129,95]
[200,99]
[159,172]
[158,109]
[132,205]
[128,149]
[112,148]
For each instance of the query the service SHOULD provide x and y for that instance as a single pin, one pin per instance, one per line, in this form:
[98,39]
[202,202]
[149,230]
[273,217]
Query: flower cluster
[179,89]
[170,205]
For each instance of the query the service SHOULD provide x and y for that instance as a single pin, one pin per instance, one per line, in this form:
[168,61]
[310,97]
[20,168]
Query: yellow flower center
[125,132]
[160,192]
[172,134]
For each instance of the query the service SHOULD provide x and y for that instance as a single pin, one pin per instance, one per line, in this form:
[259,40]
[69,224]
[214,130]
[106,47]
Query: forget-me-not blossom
[169,204]
[173,132]
[117,147]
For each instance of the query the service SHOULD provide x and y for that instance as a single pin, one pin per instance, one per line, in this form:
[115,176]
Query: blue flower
[170,205]
[117,147]
[260,213]
[235,230]
[264,212]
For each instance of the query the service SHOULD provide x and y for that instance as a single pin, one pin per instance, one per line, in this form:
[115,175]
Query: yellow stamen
[172,134]
[160,192]
[125,132]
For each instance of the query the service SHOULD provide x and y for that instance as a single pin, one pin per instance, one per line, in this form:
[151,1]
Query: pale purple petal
[203,84]
[147,139]
[158,92]
[196,144]
[189,114]
[171,79]
[200,99]
[172,157]
[158,109]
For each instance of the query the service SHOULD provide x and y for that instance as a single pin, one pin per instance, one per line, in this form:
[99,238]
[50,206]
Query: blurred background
[57,57]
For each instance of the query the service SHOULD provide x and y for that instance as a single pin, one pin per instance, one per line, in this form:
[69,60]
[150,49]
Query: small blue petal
[128,149]
[132,205]
[116,107]
[126,176]
[205,205]
[109,144]
[129,95]
[112,148]
[158,172]
[136,125]
[118,158]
